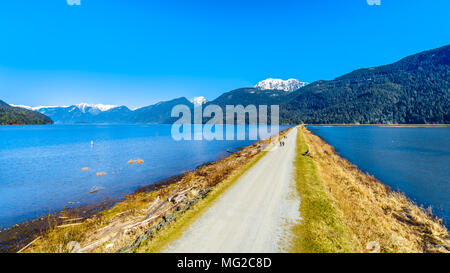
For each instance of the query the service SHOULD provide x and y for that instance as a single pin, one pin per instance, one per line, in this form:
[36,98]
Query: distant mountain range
[100,113]
[412,90]
[10,115]
[156,113]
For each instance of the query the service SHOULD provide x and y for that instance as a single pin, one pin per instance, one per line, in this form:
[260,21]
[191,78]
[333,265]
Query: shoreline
[357,212]
[395,178]
[20,234]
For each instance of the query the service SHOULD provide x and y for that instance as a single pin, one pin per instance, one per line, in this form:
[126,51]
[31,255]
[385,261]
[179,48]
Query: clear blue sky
[136,53]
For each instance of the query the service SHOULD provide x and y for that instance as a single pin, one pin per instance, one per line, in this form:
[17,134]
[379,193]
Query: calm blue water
[40,166]
[413,160]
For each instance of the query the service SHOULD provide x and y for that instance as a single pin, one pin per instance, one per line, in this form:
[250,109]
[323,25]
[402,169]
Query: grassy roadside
[322,228]
[345,209]
[176,229]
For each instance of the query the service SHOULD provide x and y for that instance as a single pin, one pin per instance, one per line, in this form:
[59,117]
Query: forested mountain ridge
[412,90]
[160,112]
[19,116]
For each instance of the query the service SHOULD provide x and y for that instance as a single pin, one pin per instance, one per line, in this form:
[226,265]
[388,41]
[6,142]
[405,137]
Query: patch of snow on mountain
[82,106]
[22,106]
[279,84]
[36,108]
[101,107]
[198,100]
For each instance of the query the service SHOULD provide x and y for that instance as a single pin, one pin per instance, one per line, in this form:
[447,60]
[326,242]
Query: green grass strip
[322,229]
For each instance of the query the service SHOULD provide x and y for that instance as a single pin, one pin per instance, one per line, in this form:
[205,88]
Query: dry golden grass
[370,210]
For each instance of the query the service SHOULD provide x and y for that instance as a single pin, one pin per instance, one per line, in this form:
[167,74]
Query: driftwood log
[153,212]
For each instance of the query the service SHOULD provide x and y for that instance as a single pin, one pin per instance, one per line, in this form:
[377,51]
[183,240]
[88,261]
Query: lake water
[41,166]
[413,160]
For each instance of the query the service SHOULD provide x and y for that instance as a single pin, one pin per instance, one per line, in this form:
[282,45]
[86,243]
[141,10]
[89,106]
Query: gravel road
[254,215]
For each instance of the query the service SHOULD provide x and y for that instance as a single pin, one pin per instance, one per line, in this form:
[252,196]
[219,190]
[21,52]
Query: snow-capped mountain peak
[36,108]
[22,106]
[82,106]
[279,84]
[100,107]
[199,100]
